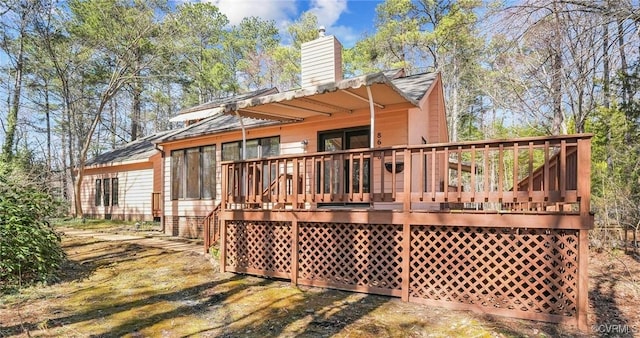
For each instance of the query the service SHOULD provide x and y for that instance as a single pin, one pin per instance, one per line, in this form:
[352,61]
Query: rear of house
[352,184]
[125,183]
[408,110]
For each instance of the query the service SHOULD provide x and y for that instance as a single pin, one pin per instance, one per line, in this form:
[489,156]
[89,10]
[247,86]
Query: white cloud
[277,10]
[328,11]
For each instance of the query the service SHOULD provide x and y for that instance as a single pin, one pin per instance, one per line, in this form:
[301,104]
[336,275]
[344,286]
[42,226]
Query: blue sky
[348,20]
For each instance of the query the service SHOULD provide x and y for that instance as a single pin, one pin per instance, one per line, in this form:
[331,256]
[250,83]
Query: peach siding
[394,125]
[134,194]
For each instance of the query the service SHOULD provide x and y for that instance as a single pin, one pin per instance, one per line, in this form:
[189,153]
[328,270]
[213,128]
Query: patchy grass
[125,289]
[107,225]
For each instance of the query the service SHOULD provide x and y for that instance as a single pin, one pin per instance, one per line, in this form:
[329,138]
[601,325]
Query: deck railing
[536,174]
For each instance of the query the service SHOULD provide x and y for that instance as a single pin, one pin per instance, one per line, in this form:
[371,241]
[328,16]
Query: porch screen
[193,173]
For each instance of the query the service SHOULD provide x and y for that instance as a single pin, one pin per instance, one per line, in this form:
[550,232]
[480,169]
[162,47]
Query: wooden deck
[497,227]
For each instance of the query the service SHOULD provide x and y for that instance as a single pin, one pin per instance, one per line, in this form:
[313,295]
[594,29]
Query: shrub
[30,249]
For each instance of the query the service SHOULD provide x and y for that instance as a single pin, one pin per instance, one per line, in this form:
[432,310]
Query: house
[353,184]
[125,183]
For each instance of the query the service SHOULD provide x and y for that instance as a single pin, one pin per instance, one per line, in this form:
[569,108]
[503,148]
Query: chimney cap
[321,31]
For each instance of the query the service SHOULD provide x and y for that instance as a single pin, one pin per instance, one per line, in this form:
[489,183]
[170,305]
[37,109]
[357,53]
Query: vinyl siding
[134,195]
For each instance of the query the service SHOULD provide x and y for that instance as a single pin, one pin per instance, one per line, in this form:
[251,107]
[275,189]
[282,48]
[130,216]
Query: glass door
[335,169]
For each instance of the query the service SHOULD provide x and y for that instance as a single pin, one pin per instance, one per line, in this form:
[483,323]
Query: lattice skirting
[526,273]
[524,270]
[262,248]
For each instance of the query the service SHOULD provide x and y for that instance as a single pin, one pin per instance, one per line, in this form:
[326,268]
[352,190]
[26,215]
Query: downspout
[373,119]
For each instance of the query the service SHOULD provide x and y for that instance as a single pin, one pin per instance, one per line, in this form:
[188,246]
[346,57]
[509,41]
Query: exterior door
[335,169]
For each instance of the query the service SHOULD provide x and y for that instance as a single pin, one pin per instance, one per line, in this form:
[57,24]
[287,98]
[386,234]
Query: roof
[140,149]
[216,124]
[387,88]
[205,110]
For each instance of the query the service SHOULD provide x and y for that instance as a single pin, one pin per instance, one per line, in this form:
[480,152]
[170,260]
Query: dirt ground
[112,289]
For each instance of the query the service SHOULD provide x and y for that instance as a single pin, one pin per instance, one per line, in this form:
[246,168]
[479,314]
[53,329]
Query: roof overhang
[196,115]
[323,100]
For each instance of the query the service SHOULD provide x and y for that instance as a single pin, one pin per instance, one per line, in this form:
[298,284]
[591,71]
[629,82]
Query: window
[98,196]
[256,148]
[193,173]
[106,187]
[114,191]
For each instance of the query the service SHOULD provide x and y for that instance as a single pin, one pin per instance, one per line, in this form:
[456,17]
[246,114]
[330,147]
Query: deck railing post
[584,177]
[224,186]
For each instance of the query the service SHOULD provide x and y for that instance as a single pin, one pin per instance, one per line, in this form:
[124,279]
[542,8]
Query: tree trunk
[12,118]
[556,80]
[623,65]
[137,98]
[606,81]
[47,112]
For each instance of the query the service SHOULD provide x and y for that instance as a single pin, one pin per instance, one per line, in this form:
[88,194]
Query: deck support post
[294,252]
[406,257]
[583,280]
[223,244]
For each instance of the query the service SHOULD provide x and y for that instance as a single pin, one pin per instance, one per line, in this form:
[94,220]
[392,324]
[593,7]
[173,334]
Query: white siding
[321,61]
[134,195]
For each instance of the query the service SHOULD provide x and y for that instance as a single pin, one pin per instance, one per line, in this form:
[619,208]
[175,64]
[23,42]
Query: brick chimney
[321,60]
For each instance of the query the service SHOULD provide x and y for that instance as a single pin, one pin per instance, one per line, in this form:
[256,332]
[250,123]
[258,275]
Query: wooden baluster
[445,185]
[254,184]
[546,176]
[322,178]
[562,177]
[422,174]
[515,172]
[407,180]
[269,182]
[304,180]
[459,173]
[350,178]
[500,171]
[393,175]
[487,172]
[433,174]
[315,178]
[294,182]
[530,188]
[382,175]
[341,179]
[361,178]
[473,173]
